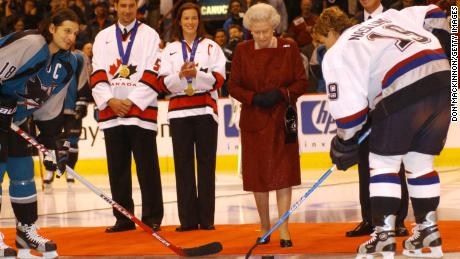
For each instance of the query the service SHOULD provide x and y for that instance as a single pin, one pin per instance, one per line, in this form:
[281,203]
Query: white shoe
[49,177]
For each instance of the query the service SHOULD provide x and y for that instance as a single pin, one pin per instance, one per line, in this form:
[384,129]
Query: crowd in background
[298,18]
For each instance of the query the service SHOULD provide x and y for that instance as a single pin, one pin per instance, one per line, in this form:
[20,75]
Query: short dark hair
[57,19]
[201,32]
[235,26]
[219,30]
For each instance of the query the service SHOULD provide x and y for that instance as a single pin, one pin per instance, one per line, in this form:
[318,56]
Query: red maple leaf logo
[113,68]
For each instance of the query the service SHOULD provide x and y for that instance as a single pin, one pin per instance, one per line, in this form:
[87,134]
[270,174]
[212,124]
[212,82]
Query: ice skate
[49,177]
[69,178]
[424,235]
[27,238]
[5,250]
[382,242]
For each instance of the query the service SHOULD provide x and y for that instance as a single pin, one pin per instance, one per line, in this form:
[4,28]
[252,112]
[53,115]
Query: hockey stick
[40,163]
[208,249]
[301,200]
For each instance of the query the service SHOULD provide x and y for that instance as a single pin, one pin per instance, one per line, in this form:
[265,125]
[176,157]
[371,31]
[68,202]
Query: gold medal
[124,71]
[189,90]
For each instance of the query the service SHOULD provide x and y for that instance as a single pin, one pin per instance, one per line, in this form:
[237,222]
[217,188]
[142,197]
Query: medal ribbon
[125,55]
[192,54]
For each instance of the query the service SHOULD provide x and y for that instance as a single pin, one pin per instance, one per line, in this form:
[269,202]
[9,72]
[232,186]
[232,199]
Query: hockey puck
[268,257]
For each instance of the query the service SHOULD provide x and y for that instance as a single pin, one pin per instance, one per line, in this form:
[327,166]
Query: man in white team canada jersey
[394,70]
[123,80]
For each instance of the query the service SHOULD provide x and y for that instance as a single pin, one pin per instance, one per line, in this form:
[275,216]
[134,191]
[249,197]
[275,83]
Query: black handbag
[290,123]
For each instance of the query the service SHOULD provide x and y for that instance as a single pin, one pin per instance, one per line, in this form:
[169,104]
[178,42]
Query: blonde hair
[261,13]
[333,18]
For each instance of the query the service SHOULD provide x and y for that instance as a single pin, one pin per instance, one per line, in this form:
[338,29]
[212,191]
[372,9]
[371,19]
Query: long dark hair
[57,19]
[200,32]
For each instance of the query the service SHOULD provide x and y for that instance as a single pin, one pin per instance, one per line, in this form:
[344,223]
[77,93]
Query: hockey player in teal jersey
[75,109]
[36,69]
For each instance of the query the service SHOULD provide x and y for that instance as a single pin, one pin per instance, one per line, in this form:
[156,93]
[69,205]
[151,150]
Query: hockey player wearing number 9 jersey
[394,67]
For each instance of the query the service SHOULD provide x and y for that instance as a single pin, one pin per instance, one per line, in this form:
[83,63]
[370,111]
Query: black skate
[27,238]
[424,235]
[382,242]
[5,250]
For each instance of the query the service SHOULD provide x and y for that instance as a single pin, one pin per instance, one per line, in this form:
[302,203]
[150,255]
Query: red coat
[267,162]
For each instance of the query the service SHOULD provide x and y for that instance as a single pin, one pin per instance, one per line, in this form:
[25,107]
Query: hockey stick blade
[207,249]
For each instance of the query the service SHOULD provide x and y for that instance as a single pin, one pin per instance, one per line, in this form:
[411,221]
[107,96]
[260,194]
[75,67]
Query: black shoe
[155,227]
[208,227]
[183,229]
[285,243]
[266,241]
[363,229]
[401,230]
[119,227]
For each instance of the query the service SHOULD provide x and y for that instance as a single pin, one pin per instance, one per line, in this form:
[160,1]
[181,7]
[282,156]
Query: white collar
[377,11]
[129,27]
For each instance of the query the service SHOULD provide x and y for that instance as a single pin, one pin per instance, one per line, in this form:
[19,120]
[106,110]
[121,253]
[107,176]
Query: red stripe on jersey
[354,116]
[98,76]
[434,10]
[429,175]
[150,78]
[149,114]
[219,80]
[184,102]
[408,60]
[161,87]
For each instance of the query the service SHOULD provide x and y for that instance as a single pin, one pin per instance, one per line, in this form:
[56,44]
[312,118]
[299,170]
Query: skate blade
[25,254]
[385,255]
[435,252]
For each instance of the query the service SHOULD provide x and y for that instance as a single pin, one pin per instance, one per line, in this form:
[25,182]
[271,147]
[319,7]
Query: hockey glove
[267,99]
[62,156]
[344,154]
[7,110]
[81,109]
[59,162]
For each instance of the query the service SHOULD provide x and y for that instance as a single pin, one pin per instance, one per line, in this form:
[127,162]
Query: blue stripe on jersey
[436,14]
[353,123]
[386,178]
[417,62]
[424,181]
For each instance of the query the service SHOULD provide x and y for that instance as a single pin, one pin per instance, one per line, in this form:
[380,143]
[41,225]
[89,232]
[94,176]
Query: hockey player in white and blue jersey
[75,109]
[36,72]
[394,67]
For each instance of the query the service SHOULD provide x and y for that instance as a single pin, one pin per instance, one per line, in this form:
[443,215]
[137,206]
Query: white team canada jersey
[138,86]
[377,58]
[210,64]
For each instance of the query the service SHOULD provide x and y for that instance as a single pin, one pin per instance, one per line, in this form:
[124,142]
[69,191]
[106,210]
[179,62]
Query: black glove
[267,99]
[81,109]
[344,154]
[7,110]
[59,162]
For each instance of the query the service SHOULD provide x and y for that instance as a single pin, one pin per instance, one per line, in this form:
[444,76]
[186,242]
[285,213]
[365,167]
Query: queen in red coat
[267,74]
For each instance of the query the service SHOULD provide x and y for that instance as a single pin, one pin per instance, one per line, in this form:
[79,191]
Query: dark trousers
[190,134]
[364,181]
[120,142]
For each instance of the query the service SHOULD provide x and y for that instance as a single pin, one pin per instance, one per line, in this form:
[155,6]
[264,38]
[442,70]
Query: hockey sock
[73,157]
[424,191]
[385,194]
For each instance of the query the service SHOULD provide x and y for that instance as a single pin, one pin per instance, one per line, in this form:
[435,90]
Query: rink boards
[316,128]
